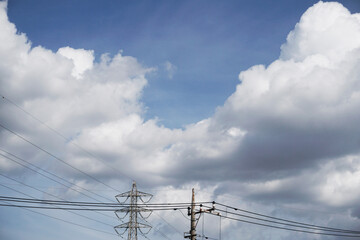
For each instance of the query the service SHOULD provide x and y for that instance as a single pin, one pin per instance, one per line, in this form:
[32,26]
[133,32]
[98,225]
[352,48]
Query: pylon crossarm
[121,202]
[143,225]
[124,194]
[120,211]
[126,209]
[118,227]
[146,217]
[142,209]
[144,233]
[134,209]
[146,201]
[140,193]
[123,225]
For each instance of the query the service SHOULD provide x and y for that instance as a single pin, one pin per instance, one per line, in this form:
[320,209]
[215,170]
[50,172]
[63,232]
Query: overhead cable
[57,158]
[286,228]
[283,221]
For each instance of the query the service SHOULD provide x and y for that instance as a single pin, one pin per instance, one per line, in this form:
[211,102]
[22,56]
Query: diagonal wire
[57,158]
[285,228]
[64,137]
[285,221]
[50,173]
[69,222]
[55,197]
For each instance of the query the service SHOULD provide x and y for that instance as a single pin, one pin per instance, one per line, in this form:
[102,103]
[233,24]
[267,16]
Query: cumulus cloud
[82,59]
[302,108]
[292,123]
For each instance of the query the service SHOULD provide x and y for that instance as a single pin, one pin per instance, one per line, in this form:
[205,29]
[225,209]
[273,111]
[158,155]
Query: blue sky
[253,103]
[209,42]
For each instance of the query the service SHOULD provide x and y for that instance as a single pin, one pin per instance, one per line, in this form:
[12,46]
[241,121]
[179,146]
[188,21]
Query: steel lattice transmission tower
[134,211]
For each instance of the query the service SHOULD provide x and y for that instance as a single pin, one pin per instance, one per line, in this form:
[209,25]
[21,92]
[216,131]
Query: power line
[286,222]
[80,203]
[177,230]
[205,237]
[84,206]
[161,233]
[63,137]
[291,225]
[52,174]
[69,205]
[79,209]
[57,158]
[285,228]
[69,222]
[184,215]
[68,187]
[57,198]
[11,205]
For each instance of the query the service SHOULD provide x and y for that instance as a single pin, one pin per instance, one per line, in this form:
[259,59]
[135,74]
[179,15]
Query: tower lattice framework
[135,212]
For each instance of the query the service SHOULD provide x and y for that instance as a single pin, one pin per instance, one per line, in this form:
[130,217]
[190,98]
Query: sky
[253,103]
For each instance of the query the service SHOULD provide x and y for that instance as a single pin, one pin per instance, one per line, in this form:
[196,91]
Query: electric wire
[63,220]
[203,225]
[220,227]
[76,209]
[285,228]
[173,227]
[62,160]
[323,232]
[67,205]
[69,222]
[296,224]
[52,174]
[184,215]
[79,203]
[63,137]
[205,237]
[161,233]
[287,222]
[158,230]
[68,187]
[291,225]
[55,157]
[57,198]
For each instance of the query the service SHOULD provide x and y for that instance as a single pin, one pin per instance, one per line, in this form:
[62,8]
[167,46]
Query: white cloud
[82,59]
[290,123]
[327,29]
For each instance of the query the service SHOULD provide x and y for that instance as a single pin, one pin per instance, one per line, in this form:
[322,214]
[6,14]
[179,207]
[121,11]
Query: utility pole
[134,212]
[193,220]
[191,212]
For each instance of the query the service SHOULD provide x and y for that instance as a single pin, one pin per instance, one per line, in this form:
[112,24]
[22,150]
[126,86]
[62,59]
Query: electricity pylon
[134,211]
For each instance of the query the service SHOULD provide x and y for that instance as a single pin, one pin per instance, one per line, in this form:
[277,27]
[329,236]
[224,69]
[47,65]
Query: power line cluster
[250,217]
[54,177]
[89,206]
[222,210]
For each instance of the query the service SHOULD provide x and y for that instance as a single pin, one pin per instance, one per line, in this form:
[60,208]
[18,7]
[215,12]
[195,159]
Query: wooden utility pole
[193,219]
[191,212]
